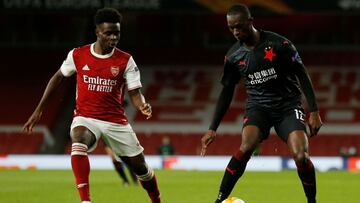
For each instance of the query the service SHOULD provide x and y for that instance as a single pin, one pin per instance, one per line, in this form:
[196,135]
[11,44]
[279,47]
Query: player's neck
[101,50]
[253,39]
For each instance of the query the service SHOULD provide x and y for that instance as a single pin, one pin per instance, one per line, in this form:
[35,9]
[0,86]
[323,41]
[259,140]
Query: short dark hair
[107,15]
[239,8]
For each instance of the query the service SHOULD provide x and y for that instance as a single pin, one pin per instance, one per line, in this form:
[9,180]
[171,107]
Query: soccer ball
[233,200]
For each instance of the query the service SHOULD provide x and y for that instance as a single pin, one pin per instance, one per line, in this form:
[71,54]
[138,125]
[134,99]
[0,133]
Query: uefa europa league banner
[181,6]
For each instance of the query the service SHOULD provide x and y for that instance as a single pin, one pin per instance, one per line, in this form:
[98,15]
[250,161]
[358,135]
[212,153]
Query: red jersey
[101,81]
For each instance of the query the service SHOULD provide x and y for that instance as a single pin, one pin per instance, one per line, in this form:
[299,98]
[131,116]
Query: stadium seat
[18,143]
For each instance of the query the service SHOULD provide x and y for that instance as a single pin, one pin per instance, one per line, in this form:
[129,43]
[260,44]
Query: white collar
[92,50]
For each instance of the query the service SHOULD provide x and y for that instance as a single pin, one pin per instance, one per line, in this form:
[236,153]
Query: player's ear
[97,30]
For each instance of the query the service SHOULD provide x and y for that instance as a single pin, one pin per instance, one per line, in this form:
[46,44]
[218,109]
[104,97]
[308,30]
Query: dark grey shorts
[284,121]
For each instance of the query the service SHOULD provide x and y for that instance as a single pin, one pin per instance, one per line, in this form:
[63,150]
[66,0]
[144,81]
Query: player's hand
[315,123]
[33,120]
[206,140]
[146,110]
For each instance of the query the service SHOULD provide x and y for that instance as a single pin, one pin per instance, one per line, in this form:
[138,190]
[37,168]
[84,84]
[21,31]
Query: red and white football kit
[101,81]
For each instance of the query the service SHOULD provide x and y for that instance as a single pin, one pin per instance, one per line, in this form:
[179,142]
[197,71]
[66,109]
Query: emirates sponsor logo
[99,84]
[98,80]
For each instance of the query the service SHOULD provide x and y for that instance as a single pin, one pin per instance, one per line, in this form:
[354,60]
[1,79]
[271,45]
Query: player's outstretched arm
[53,84]
[222,106]
[315,122]
[139,102]
[206,140]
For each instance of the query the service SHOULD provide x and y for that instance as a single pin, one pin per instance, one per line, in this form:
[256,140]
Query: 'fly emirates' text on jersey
[101,81]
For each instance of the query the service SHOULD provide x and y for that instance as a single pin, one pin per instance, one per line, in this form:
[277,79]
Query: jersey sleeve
[230,75]
[132,75]
[301,73]
[290,55]
[68,67]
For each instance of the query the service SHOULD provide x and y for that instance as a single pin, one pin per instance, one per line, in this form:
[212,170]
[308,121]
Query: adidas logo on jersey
[86,68]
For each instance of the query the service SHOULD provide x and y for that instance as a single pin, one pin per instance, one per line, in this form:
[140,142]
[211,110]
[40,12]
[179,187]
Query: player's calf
[81,169]
[149,183]
[306,172]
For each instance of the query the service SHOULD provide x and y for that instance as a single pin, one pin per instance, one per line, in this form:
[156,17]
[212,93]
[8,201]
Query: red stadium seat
[18,143]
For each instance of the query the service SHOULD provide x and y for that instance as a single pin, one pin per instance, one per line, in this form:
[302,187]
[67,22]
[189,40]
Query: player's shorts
[120,138]
[107,145]
[284,121]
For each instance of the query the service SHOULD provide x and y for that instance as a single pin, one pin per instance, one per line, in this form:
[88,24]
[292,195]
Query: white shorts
[121,138]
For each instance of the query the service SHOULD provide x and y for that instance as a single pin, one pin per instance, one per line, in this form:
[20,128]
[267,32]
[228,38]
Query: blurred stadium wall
[179,47]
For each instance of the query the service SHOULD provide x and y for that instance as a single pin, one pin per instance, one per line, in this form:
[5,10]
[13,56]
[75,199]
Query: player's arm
[66,70]
[229,80]
[132,78]
[53,84]
[138,101]
[222,106]
[308,90]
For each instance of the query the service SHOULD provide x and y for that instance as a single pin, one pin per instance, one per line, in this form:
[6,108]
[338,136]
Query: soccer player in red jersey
[275,79]
[102,73]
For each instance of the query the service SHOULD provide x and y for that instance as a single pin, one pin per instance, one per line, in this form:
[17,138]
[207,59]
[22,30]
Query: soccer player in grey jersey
[275,79]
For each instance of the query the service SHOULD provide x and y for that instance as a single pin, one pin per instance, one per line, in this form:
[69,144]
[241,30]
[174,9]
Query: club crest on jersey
[269,54]
[114,70]
[242,62]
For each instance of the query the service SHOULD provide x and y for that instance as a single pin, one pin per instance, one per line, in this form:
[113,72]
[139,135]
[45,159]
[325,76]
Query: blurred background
[179,46]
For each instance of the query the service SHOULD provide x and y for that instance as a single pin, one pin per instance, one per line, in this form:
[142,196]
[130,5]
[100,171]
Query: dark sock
[311,200]
[306,172]
[120,170]
[233,172]
[152,189]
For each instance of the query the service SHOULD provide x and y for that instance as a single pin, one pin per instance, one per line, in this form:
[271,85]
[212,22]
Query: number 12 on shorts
[299,114]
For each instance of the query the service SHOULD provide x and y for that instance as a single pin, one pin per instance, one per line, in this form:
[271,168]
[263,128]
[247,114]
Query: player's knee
[140,169]
[247,148]
[79,138]
[300,158]
[81,134]
[148,175]
[78,149]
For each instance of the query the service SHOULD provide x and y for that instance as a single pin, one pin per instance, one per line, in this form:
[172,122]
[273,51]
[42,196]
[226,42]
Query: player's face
[108,35]
[240,26]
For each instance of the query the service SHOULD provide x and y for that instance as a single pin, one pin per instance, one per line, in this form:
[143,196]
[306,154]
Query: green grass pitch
[47,186]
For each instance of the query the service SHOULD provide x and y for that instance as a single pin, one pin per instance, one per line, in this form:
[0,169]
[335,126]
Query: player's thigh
[256,127]
[136,163]
[122,140]
[290,121]
[84,131]
[298,144]
[250,138]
